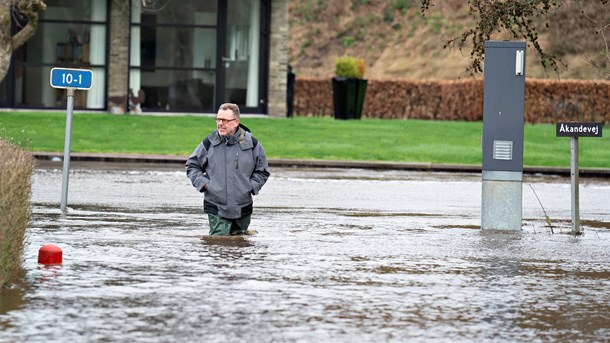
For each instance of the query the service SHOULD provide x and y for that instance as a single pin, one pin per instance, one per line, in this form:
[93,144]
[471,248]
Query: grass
[297,138]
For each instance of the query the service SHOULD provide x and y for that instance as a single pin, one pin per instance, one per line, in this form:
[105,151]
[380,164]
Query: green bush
[347,66]
[401,5]
[348,41]
[16,168]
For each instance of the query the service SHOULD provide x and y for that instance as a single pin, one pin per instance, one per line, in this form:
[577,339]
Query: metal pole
[67,142]
[574,174]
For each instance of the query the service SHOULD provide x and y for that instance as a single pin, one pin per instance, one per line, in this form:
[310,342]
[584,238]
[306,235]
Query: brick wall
[118,61]
[278,59]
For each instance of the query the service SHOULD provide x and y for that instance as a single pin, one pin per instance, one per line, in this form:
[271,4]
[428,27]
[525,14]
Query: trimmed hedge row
[546,101]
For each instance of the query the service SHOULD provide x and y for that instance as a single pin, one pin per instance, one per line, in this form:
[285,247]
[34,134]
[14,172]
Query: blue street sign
[71,78]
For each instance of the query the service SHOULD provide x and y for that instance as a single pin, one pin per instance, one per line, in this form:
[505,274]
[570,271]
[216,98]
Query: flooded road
[340,256]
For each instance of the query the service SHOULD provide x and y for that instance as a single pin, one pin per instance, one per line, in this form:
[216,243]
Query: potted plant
[349,88]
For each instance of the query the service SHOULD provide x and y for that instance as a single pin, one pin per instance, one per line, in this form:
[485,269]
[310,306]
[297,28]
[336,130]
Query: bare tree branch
[29,9]
[600,28]
[517,17]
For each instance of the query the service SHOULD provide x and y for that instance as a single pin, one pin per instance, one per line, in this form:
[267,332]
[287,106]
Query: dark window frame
[220,27]
[10,79]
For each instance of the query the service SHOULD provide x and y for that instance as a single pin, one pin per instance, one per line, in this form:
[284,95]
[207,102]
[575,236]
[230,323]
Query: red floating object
[50,254]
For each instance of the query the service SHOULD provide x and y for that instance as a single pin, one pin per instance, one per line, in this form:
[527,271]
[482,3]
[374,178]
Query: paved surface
[163,159]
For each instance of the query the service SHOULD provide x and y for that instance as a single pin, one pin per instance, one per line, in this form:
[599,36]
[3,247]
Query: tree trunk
[5,37]
[8,42]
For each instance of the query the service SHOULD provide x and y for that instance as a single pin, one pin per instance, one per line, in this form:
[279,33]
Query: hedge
[546,101]
[16,168]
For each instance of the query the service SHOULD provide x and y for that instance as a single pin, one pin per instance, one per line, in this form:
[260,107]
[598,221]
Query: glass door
[241,58]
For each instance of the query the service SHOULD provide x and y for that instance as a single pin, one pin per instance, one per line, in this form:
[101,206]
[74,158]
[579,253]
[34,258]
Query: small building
[184,56]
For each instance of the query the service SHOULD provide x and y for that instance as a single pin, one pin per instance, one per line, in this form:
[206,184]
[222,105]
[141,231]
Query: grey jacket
[234,170]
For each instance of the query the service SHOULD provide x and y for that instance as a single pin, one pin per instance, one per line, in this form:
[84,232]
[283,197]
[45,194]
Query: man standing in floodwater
[228,166]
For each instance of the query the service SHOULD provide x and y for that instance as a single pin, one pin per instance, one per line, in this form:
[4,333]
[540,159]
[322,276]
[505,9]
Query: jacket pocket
[216,193]
[243,190]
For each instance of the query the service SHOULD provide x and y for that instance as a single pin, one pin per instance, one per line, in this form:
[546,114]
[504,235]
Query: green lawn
[296,138]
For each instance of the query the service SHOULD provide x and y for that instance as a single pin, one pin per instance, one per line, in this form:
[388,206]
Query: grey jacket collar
[240,137]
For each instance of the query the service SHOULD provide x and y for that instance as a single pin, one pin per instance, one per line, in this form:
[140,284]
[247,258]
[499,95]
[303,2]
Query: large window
[173,55]
[242,52]
[71,34]
[191,56]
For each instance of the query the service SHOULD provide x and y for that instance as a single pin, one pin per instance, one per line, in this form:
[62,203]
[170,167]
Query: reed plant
[16,168]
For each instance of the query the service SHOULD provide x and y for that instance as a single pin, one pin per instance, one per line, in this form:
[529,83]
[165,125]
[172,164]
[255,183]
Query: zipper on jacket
[236,160]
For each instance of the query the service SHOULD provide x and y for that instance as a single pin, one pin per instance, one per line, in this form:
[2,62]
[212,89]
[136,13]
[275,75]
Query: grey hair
[229,106]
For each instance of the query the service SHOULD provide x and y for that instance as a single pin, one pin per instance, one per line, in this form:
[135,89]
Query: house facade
[182,56]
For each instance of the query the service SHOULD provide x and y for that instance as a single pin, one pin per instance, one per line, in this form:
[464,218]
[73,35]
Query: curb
[379,165]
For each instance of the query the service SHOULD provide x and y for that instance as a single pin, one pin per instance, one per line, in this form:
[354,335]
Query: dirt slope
[396,41]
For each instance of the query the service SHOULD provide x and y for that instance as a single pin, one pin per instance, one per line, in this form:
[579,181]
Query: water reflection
[401,259]
[11,297]
[554,297]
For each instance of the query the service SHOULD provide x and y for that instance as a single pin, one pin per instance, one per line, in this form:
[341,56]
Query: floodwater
[340,256]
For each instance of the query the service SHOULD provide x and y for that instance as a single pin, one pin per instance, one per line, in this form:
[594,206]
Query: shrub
[16,168]
[546,101]
[347,66]
[348,41]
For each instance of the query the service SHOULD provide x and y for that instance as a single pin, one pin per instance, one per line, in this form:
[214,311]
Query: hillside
[396,41]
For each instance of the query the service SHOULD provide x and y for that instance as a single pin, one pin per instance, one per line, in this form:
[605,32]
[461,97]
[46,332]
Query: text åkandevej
[580,129]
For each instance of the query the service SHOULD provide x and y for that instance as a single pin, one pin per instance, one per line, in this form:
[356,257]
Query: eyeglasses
[224,121]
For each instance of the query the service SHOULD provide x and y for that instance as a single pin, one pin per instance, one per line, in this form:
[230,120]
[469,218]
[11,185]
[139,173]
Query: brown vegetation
[546,101]
[16,167]
[397,42]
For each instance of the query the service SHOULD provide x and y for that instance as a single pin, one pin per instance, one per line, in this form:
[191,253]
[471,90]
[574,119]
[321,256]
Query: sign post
[575,130]
[70,79]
